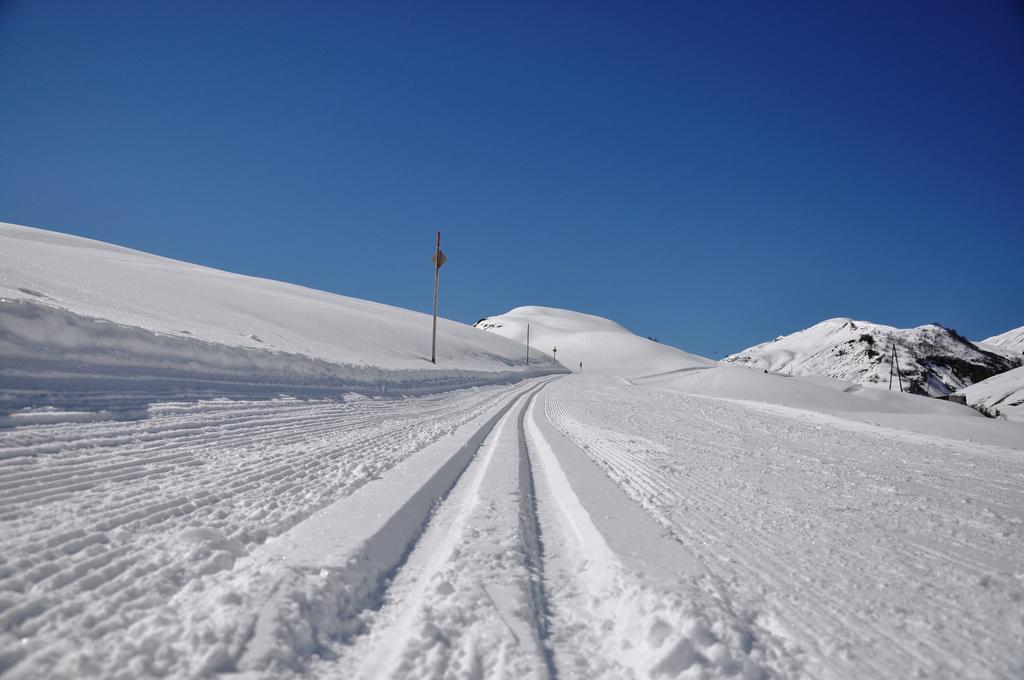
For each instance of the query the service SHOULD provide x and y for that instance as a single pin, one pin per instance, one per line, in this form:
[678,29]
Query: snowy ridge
[602,345]
[1009,343]
[933,360]
[79,312]
[1000,395]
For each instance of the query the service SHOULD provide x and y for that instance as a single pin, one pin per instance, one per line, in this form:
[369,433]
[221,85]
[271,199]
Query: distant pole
[892,360]
[554,355]
[527,344]
[439,259]
[894,366]
[896,359]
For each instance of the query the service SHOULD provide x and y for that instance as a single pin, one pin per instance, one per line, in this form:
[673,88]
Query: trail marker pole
[554,355]
[439,259]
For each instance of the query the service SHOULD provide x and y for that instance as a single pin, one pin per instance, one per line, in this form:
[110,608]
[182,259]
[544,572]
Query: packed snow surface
[932,360]
[586,527]
[601,345]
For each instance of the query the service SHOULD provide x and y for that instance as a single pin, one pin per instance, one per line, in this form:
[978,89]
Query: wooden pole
[437,269]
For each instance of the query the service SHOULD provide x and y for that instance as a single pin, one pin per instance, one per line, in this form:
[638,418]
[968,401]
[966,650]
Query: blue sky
[713,174]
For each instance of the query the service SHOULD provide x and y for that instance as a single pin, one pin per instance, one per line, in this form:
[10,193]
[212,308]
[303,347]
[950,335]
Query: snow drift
[933,360]
[602,345]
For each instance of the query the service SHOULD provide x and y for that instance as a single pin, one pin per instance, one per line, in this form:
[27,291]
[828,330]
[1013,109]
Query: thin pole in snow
[897,360]
[892,358]
[438,261]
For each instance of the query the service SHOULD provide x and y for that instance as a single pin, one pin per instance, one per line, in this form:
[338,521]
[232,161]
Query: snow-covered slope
[933,360]
[602,346]
[781,393]
[1010,343]
[74,310]
[1001,394]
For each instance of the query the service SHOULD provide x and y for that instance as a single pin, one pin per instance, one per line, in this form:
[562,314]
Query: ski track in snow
[870,552]
[104,522]
[821,548]
[511,578]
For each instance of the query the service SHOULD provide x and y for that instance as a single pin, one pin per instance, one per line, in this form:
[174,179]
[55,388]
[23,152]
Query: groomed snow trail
[511,578]
[106,524]
[868,552]
[467,602]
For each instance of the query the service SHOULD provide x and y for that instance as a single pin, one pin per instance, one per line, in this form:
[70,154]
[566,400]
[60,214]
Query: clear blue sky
[710,173]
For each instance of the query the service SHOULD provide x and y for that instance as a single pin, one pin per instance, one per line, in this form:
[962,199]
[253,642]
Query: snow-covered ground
[193,504]
[843,399]
[598,344]
[862,551]
[932,360]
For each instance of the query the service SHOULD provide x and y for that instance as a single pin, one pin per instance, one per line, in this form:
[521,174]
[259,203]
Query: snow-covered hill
[933,360]
[1010,343]
[1000,395]
[602,345]
[75,311]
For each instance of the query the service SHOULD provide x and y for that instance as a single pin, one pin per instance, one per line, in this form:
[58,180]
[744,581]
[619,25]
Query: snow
[932,360]
[1001,394]
[209,475]
[850,549]
[1009,343]
[73,310]
[602,345]
[842,399]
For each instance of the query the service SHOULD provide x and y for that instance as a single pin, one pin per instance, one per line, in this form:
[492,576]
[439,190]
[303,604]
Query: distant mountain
[602,345]
[1010,343]
[933,360]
